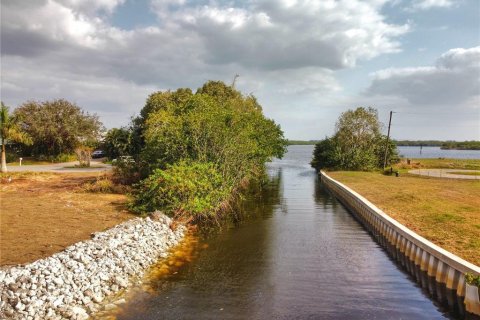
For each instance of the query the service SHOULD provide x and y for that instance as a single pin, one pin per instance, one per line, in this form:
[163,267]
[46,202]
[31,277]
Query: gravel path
[73,283]
[445,173]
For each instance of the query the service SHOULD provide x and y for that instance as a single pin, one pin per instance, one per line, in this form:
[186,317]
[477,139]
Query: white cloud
[453,81]
[292,34]
[113,99]
[285,52]
[429,4]
[92,6]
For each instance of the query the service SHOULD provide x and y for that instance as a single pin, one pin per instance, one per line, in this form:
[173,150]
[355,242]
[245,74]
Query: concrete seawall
[438,271]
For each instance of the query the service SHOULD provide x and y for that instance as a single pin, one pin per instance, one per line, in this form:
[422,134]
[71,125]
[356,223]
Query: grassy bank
[446,212]
[470,164]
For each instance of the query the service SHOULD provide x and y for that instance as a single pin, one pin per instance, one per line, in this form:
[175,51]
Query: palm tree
[10,130]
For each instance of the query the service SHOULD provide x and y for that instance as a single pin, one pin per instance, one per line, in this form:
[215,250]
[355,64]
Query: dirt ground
[43,213]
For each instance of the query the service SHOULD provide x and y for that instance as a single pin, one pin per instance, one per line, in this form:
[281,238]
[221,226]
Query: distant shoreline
[444,145]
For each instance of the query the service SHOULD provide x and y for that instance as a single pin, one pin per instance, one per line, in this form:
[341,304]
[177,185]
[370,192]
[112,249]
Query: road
[445,173]
[61,167]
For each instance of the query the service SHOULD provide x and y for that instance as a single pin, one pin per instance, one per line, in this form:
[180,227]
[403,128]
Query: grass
[440,163]
[28,163]
[42,213]
[446,212]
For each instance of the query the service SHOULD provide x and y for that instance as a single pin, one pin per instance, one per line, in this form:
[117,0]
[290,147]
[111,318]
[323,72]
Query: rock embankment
[73,283]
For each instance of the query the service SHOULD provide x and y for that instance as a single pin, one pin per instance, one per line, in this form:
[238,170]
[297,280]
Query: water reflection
[299,255]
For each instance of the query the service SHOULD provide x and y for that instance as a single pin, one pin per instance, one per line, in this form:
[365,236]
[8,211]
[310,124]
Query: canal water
[300,255]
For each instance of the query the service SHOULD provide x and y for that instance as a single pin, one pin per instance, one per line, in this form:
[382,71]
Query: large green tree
[58,126]
[232,132]
[218,130]
[358,143]
[10,131]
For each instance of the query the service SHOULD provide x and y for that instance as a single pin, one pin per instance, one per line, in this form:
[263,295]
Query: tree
[217,133]
[117,142]
[58,126]
[326,154]
[10,131]
[208,129]
[162,99]
[220,91]
[357,132]
[357,144]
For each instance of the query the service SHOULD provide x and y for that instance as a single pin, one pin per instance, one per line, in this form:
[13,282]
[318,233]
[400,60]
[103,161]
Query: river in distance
[298,255]
[436,152]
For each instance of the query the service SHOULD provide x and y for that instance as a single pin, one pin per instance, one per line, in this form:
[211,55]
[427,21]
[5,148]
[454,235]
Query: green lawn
[470,164]
[446,212]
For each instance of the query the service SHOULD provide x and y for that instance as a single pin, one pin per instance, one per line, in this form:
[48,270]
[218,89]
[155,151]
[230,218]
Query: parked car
[98,154]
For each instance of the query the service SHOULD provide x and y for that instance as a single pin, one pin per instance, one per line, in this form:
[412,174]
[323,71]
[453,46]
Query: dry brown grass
[42,213]
[471,164]
[446,212]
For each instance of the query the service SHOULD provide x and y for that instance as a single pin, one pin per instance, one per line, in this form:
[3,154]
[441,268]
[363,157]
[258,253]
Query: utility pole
[386,145]
[234,79]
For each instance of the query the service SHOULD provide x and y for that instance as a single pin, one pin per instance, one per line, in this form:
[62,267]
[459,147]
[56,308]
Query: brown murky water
[300,255]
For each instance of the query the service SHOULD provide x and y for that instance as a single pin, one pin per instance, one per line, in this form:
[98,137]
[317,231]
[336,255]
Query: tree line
[49,130]
[458,145]
[189,154]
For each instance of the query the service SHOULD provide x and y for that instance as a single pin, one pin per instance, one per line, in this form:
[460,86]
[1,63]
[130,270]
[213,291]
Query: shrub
[126,170]
[326,154]
[62,157]
[12,157]
[104,185]
[192,190]
[472,279]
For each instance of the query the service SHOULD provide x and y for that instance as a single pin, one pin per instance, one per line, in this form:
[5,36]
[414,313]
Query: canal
[299,255]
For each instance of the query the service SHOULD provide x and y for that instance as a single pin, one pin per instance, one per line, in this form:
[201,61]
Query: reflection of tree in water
[234,268]
[257,202]
[323,196]
[230,273]
[261,197]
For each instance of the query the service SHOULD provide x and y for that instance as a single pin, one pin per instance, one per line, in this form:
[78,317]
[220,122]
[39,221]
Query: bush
[104,185]
[126,170]
[473,280]
[187,189]
[62,157]
[12,157]
[326,154]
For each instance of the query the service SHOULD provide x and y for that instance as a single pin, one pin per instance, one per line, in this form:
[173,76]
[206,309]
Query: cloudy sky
[306,61]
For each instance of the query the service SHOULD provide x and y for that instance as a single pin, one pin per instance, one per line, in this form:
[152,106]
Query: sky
[305,61]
